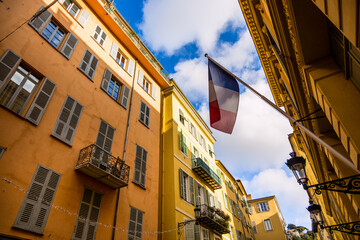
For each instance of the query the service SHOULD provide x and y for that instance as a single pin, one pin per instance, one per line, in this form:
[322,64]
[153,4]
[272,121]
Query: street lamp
[350,228]
[346,185]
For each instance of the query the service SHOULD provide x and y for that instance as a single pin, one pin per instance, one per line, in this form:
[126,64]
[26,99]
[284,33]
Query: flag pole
[312,135]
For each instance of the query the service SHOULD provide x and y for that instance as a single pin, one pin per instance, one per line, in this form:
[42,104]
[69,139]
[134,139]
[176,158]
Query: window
[150,88]
[253,223]
[192,231]
[202,142]
[250,208]
[231,233]
[205,234]
[144,114]
[36,206]
[263,207]
[135,224]
[105,136]
[267,224]
[99,35]
[195,153]
[52,32]
[88,64]
[20,83]
[121,59]
[210,151]
[117,91]
[238,234]
[88,215]
[186,187]
[140,166]
[201,194]
[225,201]
[192,130]
[183,147]
[181,116]
[66,124]
[2,150]
[71,7]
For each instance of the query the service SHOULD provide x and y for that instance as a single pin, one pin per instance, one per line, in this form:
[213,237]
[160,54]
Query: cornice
[263,55]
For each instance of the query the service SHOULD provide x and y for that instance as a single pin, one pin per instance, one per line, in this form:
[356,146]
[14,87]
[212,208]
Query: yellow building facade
[235,205]
[310,54]
[190,176]
[266,219]
[80,120]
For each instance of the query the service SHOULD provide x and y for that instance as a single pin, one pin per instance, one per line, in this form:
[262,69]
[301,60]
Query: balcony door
[103,146]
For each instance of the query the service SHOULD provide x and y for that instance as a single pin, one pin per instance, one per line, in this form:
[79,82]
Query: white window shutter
[125,96]
[140,78]
[154,90]
[39,22]
[106,79]
[69,46]
[8,62]
[83,18]
[41,101]
[114,50]
[130,68]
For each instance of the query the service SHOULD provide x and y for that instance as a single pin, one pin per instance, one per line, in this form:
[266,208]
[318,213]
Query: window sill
[139,185]
[98,42]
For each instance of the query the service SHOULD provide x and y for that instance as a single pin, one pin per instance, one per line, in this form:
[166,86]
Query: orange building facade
[80,102]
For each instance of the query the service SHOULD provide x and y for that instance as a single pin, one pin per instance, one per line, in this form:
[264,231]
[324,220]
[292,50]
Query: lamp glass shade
[297,166]
[197,212]
[315,211]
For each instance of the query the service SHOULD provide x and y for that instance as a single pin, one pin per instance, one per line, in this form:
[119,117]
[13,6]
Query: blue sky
[179,33]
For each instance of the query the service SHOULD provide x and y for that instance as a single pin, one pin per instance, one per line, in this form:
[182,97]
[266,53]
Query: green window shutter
[197,194]
[83,18]
[39,22]
[125,96]
[191,180]
[135,224]
[130,68]
[41,101]
[181,184]
[86,223]
[8,62]
[66,124]
[69,46]
[36,206]
[114,50]
[106,79]
[206,197]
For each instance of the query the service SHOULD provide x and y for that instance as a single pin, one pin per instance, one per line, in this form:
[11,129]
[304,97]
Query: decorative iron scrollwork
[350,228]
[345,185]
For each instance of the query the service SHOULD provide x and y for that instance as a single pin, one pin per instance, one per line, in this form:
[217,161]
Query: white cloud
[170,24]
[292,199]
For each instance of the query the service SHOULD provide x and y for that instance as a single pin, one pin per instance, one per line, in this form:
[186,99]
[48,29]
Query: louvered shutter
[125,96]
[40,102]
[197,232]
[206,197]
[88,64]
[85,61]
[197,194]
[106,79]
[153,91]
[143,167]
[39,22]
[225,201]
[189,231]
[67,121]
[258,207]
[88,215]
[69,46]
[147,115]
[191,180]
[105,136]
[8,63]
[114,50]
[140,78]
[181,184]
[135,224]
[130,68]
[92,67]
[83,18]
[36,206]
[267,206]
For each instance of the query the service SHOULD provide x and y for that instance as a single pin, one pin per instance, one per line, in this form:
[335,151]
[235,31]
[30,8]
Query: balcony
[213,219]
[205,172]
[98,164]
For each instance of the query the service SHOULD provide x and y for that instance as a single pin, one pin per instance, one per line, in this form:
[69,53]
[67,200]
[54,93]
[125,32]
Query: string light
[59,208]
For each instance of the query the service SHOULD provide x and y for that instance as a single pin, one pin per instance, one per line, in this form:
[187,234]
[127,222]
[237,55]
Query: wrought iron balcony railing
[98,164]
[211,219]
[206,173]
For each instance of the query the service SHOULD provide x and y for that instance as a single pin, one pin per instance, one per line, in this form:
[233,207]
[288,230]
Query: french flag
[223,98]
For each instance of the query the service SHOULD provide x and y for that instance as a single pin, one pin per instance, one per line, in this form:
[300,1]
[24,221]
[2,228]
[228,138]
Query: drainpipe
[124,153]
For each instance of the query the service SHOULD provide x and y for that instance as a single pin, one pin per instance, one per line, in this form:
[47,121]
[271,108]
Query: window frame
[263,206]
[267,224]
[72,3]
[182,117]
[58,28]
[183,147]
[140,169]
[136,223]
[146,114]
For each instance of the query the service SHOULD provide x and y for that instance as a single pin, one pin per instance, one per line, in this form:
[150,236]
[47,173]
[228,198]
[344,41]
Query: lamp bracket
[350,228]
[346,185]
